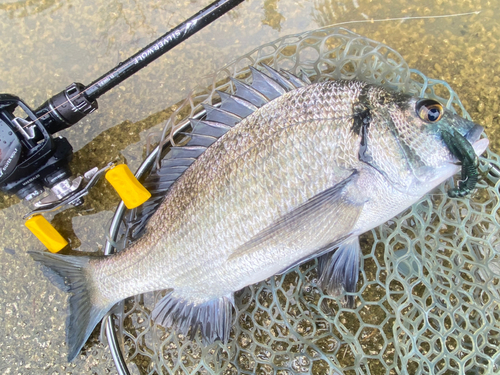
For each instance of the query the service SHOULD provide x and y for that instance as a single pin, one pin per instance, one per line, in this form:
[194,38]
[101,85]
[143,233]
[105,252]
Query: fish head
[412,137]
[446,140]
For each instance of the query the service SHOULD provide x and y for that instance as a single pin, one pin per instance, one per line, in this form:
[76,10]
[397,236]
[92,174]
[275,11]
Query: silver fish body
[301,176]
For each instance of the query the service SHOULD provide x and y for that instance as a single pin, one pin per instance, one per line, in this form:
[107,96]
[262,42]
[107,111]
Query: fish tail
[83,313]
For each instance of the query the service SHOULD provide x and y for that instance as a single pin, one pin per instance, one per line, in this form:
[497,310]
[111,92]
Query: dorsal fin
[199,139]
[249,93]
[280,78]
[213,129]
[236,105]
[220,115]
[266,85]
[296,81]
[217,121]
[304,77]
[176,162]
[186,152]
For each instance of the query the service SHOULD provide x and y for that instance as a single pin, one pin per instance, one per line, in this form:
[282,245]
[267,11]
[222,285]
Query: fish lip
[474,133]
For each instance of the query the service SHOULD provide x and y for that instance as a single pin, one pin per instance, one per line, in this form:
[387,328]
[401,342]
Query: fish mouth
[474,133]
[474,137]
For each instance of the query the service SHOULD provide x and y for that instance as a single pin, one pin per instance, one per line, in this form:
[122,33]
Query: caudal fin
[83,315]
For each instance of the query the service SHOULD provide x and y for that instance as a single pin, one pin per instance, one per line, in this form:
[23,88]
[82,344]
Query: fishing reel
[32,159]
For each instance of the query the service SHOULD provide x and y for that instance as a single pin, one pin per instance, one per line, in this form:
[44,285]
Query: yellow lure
[46,233]
[127,186]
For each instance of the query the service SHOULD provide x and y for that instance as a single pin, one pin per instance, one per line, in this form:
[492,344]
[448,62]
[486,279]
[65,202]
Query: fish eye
[429,110]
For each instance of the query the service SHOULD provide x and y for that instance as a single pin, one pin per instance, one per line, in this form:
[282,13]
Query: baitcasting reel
[31,159]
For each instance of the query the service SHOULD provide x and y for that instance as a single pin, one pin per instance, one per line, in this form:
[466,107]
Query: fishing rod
[32,160]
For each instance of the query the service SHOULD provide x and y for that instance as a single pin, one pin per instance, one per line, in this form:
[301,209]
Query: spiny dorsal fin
[176,162]
[236,105]
[249,93]
[220,115]
[296,81]
[213,129]
[199,139]
[266,85]
[172,170]
[187,151]
[280,78]
[304,77]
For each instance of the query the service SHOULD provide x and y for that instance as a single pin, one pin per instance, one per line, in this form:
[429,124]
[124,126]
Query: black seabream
[281,172]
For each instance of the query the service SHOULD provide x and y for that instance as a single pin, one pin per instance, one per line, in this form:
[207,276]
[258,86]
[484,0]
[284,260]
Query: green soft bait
[461,148]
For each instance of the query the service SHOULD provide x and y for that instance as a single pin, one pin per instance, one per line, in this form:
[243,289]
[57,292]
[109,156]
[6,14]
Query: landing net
[428,295]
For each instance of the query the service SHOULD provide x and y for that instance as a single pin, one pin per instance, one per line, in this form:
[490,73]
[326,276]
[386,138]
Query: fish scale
[296,170]
[227,205]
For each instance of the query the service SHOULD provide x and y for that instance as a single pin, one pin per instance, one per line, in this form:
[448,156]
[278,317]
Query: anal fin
[213,318]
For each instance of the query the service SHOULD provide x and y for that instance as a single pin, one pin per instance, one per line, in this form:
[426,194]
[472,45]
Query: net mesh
[428,294]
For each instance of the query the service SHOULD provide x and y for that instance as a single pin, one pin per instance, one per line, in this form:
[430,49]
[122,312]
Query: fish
[281,172]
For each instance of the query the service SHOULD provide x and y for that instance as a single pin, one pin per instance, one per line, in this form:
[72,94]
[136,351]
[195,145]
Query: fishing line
[404,18]
[410,18]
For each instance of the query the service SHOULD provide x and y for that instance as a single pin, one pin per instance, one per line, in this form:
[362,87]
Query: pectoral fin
[317,225]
